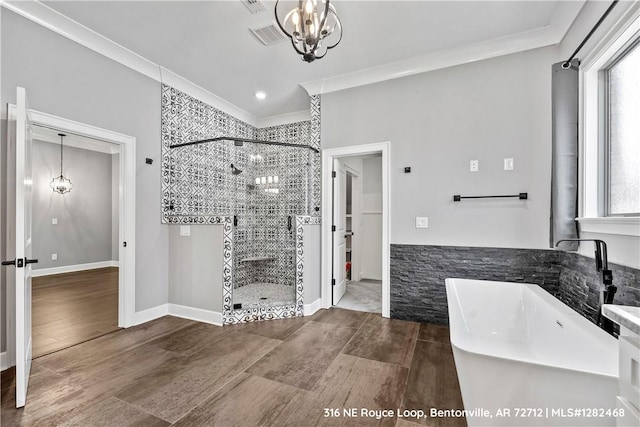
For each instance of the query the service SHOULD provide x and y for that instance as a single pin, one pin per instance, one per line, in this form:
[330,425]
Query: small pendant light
[61,184]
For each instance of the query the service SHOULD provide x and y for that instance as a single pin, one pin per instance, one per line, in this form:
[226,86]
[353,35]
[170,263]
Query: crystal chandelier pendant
[61,185]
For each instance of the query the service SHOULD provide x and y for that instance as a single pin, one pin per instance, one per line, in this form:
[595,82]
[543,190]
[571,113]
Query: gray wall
[195,267]
[437,122]
[311,274]
[68,80]
[83,232]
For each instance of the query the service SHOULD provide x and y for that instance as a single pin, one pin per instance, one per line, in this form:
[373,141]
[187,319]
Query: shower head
[235,170]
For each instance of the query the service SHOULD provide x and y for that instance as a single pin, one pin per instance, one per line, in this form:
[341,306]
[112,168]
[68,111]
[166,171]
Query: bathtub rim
[573,316]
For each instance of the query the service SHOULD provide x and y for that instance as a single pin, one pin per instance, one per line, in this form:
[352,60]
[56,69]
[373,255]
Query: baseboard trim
[4,361]
[310,309]
[71,268]
[150,314]
[197,314]
[191,313]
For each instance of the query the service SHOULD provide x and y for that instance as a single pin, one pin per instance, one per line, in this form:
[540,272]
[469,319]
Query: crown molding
[563,17]
[283,119]
[175,80]
[61,24]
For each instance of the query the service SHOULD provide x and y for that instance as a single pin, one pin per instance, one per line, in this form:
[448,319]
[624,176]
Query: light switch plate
[54,221]
[473,166]
[422,222]
[508,164]
[54,257]
[185,230]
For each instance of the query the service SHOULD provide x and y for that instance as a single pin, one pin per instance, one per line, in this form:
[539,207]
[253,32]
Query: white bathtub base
[528,359]
[541,395]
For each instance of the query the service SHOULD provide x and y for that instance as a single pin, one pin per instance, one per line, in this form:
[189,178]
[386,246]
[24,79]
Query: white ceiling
[209,43]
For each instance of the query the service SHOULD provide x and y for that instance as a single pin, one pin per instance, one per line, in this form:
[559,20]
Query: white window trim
[620,225]
[589,218]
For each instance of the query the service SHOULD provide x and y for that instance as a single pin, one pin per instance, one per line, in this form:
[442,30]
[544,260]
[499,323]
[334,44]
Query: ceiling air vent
[254,6]
[268,35]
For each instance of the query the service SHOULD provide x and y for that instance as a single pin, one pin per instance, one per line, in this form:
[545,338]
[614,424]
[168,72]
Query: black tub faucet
[602,264]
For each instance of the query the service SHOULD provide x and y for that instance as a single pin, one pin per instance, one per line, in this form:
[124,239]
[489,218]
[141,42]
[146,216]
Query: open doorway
[363,234]
[75,235]
[355,231]
[19,213]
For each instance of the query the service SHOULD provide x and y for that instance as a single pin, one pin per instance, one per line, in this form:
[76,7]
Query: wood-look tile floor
[71,308]
[174,371]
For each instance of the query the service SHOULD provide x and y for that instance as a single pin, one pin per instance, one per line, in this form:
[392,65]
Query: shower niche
[259,191]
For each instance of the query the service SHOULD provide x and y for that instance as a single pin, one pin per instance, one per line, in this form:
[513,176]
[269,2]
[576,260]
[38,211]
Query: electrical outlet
[54,257]
[422,222]
[185,230]
[473,166]
[54,221]
[508,164]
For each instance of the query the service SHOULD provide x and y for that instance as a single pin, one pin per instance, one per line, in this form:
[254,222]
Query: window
[622,133]
[609,180]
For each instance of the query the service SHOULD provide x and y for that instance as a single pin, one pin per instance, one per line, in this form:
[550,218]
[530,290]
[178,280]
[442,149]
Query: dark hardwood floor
[174,371]
[71,308]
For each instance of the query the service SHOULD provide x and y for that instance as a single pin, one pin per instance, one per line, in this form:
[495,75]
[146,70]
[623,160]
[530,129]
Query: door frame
[327,208]
[356,216]
[127,224]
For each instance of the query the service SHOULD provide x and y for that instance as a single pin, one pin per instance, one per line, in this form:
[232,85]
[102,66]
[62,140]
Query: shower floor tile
[264,294]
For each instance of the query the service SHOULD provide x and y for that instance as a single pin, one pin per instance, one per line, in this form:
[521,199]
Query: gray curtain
[564,163]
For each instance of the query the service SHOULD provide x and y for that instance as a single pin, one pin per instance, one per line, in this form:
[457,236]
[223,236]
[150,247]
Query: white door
[23,248]
[339,237]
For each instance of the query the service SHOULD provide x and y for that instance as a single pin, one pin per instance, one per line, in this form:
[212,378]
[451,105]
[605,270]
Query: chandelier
[61,184]
[313,27]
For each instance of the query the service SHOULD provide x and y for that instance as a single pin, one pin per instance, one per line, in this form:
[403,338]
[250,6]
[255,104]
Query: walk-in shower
[263,186]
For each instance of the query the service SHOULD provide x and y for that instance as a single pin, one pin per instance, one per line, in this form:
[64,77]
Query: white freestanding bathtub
[518,348]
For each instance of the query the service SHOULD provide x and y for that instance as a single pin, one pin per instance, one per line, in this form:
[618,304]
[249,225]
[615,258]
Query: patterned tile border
[204,219]
[314,141]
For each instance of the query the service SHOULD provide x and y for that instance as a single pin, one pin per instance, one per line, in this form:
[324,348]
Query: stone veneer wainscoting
[418,272]
[580,284]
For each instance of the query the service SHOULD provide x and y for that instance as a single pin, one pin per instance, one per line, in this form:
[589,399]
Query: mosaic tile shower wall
[273,189]
[275,183]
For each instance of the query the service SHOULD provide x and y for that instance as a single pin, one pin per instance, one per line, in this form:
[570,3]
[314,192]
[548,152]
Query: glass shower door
[264,249]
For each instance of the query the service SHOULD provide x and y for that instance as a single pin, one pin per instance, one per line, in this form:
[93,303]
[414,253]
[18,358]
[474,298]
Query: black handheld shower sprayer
[235,170]
[602,265]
